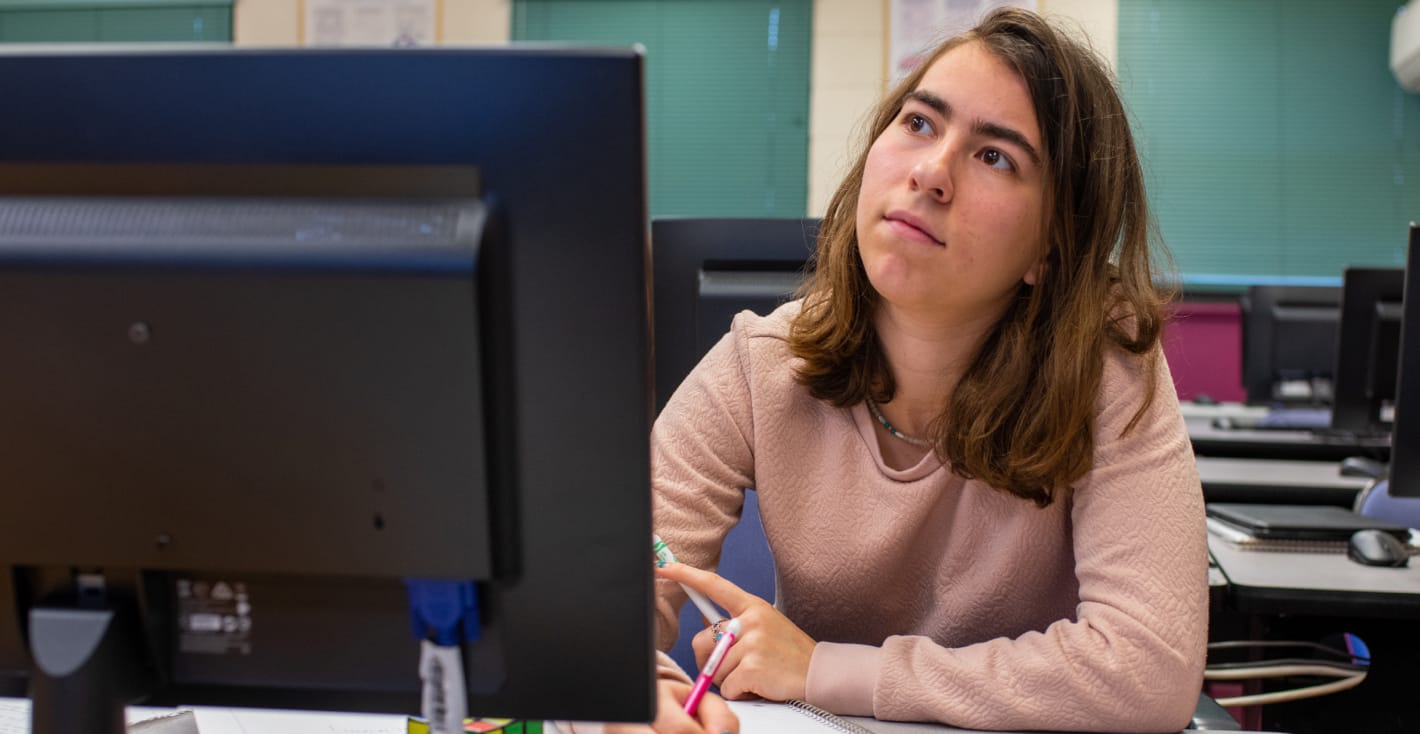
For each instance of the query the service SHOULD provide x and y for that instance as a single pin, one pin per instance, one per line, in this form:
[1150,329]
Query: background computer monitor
[306,421]
[1289,343]
[1367,349]
[708,270]
[1405,436]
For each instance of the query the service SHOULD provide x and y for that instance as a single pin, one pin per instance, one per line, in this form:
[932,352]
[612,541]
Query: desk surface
[1198,411]
[1315,583]
[762,718]
[14,719]
[1210,440]
[1237,479]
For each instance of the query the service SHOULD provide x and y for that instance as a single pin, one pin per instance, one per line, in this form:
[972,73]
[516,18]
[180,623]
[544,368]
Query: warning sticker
[214,617]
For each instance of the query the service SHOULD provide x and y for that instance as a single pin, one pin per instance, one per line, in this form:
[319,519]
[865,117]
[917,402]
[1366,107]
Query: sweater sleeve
[1132,657]
[701,462]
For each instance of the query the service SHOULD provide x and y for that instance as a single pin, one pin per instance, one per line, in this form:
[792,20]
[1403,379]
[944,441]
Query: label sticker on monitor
[214,617]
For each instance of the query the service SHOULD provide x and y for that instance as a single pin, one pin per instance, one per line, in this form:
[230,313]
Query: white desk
[15,719]
[1315,583]
[1210,440]
[761,718]
[1200,412]
[1234,479]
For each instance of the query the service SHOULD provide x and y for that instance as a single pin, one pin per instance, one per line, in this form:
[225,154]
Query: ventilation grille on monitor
[192,221]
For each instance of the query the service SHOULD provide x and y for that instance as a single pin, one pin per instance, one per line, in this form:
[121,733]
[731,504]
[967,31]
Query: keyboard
[1279,419]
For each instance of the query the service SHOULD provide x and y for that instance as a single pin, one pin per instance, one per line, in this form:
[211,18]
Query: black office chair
[1376,501]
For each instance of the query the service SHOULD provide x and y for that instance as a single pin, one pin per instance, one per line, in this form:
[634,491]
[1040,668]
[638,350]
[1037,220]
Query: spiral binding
[832,721]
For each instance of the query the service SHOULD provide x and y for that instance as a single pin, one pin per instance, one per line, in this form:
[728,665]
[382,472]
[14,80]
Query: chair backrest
[1376,501]
[706,271]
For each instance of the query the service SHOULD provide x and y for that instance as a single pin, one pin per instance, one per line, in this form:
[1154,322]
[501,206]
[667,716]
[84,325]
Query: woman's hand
[712,717]
[770,659]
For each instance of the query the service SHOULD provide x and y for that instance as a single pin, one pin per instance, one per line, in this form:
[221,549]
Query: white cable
[1279,671]
[1294,694]
[445,704]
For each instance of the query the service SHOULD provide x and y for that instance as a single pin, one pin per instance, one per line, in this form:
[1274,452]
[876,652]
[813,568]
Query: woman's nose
[932,173]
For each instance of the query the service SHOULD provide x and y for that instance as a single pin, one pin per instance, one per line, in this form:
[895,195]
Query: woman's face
[949,214]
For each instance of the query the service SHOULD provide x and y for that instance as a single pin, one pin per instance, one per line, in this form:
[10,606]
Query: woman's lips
[908,229]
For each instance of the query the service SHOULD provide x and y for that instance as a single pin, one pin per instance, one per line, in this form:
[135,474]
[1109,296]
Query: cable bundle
[1349,667]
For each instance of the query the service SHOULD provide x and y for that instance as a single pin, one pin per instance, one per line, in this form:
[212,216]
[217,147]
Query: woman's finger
[722,591]
[701,644]
[770,658]
[732,659]
[670,710]
[716,717]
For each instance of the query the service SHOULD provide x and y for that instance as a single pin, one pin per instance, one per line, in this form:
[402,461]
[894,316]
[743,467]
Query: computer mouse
[1373,547]
[1204,398]
[1360,466]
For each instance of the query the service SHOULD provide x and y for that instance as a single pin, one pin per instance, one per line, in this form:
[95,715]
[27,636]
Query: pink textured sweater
[935,598]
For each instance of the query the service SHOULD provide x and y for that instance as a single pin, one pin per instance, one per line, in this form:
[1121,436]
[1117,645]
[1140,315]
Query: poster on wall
[915,26]
[398,23]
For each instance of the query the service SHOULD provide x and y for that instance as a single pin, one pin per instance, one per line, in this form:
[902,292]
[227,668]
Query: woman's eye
[996,159]
[919,124]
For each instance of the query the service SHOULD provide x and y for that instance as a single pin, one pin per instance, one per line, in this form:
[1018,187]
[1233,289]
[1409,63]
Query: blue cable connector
[443,612]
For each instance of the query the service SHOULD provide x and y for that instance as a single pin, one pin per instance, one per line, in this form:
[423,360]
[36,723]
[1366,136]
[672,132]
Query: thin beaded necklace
[914,440]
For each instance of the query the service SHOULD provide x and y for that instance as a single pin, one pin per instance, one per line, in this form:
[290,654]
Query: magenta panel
[1203,345]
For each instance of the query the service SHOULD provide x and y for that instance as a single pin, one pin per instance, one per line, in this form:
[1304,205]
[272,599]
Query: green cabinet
[727,95]
[1277,145]
[115,21]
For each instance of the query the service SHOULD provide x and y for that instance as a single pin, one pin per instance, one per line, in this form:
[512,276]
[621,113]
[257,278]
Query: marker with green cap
[664,556]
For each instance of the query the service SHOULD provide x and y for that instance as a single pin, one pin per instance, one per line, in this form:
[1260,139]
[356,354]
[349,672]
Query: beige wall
[278,22]
[1096,21]
[266,23]
[477,21]
[848,71]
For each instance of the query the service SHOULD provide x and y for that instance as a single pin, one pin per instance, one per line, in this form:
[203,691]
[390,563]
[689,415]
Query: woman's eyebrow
[937,104]
[1001,132]
[978,126]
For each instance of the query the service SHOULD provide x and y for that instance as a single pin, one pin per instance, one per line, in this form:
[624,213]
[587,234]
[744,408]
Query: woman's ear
[1034,273]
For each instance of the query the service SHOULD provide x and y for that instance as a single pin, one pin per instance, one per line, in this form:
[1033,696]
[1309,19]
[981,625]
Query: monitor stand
[87,666]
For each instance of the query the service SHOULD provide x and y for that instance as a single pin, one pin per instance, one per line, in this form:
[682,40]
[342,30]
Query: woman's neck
[927,358]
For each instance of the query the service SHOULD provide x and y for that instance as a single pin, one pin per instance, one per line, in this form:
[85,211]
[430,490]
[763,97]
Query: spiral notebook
[800,717]
[790,718]
[1311,523]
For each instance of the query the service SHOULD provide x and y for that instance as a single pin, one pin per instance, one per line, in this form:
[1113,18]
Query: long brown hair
[1022,417]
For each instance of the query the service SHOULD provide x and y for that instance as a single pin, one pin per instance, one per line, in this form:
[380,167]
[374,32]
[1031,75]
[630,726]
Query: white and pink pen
[712,665]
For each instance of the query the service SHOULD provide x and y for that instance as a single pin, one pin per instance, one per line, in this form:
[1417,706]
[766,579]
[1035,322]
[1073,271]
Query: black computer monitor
[1405,436]
[1289,343]
[1367,349]
[708,270]
[289,327]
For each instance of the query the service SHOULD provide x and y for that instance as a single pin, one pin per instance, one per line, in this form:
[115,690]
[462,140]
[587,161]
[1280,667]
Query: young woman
[971,466]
